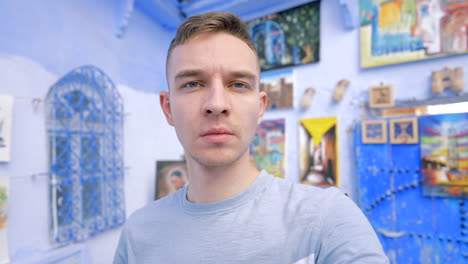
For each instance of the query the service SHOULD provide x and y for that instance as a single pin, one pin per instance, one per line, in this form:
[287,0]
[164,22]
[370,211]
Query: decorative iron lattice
[85,124]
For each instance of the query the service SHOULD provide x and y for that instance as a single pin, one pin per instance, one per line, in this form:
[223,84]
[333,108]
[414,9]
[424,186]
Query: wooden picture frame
[404,131]
[374,132]
[381,96]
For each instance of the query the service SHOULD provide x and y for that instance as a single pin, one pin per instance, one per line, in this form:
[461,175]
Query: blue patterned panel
[412,228]
[84,125]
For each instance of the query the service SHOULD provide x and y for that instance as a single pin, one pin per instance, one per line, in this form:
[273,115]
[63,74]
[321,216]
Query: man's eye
[239,85]
[191,85]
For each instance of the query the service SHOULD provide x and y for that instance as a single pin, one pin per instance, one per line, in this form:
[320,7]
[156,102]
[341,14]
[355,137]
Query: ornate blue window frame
[84,128]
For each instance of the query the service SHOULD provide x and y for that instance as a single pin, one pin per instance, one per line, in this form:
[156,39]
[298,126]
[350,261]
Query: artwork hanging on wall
[171,175]
[374,131]
[290,37]
[381,96]
[279,87]
[447,78]
[399,31]
[444,154]
[404,131]
[268,147]
[6,116]
[318,151]
[4,186]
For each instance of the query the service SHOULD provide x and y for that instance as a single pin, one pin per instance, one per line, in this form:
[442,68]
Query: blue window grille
[84,125]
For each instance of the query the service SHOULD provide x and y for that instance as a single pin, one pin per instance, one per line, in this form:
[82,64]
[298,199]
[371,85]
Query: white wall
[40,41]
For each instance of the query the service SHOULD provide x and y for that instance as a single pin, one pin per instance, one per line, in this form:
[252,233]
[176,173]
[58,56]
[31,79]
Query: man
[230,212]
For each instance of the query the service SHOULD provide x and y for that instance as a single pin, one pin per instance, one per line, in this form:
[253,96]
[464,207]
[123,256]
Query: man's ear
[166,106]
[263,104]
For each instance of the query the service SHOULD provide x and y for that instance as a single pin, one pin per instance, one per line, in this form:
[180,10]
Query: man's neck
[214,184]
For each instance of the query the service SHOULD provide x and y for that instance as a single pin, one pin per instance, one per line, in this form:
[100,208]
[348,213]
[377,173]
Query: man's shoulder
[303,192]
[311,202]
[152,211]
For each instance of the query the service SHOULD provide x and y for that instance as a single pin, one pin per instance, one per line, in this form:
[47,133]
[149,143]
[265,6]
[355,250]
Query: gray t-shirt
[273,221]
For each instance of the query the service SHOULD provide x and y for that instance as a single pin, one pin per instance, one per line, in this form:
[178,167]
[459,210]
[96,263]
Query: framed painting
[171,175]
[268,147]
[287,38]
[279,87]
[6,116]
[444,154]
[4,187]
[374,131]
[318,151]
[397,31]
[404,131]
[381,96]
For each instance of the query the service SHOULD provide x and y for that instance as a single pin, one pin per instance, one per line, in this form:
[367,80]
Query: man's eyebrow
[188,73]
[243,74]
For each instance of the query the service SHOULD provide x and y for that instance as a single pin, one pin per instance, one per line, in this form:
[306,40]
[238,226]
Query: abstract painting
[318,155]
[444,154]
[170,177]
[6,115]
[279,88]
[290,37]
[374,132]
[3,220]
[404,131]
[397,31]
[268,147]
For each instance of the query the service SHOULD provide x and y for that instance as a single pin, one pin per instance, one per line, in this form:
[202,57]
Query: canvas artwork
[268,147]
[4,186]
[374,132]
[290,37]
[318,151]
[444,154]
[381,96]
[170,177]
[6,116]
[279,88]
[397,31]
[404,131]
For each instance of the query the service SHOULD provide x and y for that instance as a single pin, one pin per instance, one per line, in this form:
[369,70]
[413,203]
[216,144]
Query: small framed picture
[381,96]
[374,132]
[171,175]
[404,131]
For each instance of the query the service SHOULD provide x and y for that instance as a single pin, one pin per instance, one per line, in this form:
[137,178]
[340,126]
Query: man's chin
[216,160]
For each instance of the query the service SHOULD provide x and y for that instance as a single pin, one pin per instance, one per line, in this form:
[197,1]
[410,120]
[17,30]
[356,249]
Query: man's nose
[217,100]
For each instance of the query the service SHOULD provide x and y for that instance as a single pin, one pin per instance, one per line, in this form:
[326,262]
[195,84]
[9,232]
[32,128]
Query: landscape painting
[397,31]
[279,87]
[444,154]
[290,37]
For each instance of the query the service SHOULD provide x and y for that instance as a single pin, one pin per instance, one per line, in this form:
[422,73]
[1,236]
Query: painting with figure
[4,186]
[318,155]
[6,115]
[279,87]
[268,147]
[444,154]
[171,175]
[290,37]
[397,31]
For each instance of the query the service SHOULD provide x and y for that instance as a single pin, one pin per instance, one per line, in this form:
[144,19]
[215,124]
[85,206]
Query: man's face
[214,102]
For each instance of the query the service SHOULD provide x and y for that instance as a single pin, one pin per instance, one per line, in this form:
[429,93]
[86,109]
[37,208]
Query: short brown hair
[211,22]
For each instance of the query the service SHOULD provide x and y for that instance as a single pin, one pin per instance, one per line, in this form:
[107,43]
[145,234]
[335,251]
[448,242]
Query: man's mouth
[217,135]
